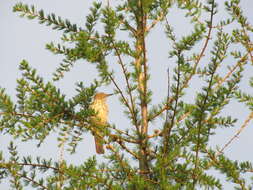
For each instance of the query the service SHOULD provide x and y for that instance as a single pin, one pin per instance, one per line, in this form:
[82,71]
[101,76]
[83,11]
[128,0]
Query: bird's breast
[101,109]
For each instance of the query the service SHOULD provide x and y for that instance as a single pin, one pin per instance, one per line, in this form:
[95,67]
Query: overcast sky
[25,39]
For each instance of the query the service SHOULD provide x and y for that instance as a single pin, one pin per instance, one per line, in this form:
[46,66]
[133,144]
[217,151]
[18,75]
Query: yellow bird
[100,106]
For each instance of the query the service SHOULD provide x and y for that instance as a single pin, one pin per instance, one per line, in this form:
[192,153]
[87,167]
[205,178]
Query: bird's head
[101,96]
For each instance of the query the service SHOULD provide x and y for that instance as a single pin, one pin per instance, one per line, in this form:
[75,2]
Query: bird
[99,105]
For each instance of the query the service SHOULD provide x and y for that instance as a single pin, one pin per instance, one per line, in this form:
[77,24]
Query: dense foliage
[176,154]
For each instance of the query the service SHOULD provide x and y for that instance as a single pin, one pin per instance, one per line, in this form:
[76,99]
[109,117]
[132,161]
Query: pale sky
[25,39]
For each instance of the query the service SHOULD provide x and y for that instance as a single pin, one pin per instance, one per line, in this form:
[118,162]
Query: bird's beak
[110,94]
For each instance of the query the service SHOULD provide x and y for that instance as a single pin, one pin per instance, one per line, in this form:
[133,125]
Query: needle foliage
[166,146]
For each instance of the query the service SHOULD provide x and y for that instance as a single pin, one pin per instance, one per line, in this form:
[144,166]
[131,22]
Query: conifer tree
[170,155]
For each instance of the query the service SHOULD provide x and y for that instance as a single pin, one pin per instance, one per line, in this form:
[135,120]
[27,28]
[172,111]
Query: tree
[173,154]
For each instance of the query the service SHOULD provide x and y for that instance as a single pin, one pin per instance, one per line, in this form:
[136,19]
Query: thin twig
[194,68]
[121,93]
[250,117]
[238,64]
[32,180]
[158,133]
[128,85]
[159,18]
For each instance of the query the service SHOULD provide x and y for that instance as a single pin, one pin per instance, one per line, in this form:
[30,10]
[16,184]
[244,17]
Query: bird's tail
[99,145]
